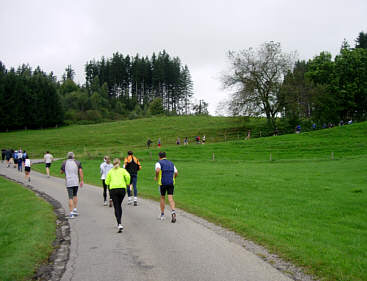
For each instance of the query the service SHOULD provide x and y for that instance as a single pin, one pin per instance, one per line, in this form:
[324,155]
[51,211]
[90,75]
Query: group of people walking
[118,181]
[178,141]
[17,158]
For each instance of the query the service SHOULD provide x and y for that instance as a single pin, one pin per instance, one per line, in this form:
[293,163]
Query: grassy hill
[303,205]
[113,137]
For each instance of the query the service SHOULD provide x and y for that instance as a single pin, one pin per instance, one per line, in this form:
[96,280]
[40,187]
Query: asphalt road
[147,249]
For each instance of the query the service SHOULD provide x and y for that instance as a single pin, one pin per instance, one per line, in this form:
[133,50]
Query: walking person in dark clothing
[3,153]
[132,165]
[149,142]
[8,156]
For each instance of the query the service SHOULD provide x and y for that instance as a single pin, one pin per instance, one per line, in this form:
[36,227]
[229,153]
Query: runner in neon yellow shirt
[118,179]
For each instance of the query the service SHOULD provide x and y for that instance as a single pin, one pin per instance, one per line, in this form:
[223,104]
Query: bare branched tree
[256,77]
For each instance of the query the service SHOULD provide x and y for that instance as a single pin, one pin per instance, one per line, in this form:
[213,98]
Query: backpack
[132,167]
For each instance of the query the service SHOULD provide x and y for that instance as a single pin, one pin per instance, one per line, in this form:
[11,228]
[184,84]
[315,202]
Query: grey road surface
[148,249]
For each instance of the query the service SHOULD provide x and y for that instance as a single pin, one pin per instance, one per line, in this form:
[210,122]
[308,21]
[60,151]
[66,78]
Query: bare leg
[171,202]
[75,201]
[163,201]
[48,171]
[71,205]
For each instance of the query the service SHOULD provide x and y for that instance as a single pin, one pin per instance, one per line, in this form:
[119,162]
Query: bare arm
[81,175]
[157,173]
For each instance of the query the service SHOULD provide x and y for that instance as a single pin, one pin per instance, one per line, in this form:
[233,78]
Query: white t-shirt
[158,166]
[105,168]
[48,158]
[27,163]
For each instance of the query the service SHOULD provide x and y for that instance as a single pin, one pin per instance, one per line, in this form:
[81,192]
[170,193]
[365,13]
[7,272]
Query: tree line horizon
[116,88]
[265,82]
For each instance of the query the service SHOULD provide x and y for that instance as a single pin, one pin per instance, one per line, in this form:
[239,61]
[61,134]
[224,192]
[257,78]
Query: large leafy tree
[256,77]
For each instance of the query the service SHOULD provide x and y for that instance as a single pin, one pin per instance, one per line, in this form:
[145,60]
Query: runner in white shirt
[105,167]
[48,160]
[27,169]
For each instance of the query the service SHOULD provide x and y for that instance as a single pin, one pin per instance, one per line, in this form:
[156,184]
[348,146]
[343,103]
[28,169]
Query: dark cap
[162,154]
[130,152]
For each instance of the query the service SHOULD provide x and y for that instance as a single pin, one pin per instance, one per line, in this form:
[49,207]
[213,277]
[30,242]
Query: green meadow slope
[113,137]
[304,204]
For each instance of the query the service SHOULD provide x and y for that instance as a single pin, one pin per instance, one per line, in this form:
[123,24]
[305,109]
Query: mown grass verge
[27,230]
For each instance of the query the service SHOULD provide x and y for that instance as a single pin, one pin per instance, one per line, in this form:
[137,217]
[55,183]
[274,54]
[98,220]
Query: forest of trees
[116,88]
[266,82]
[29,99]
[328,90]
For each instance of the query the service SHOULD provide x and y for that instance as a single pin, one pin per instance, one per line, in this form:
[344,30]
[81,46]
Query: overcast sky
[54,34]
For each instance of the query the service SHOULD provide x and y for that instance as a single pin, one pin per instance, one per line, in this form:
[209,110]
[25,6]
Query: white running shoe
[120,228]
[105,203]
[129,201]
[75,212]
[162,217]
[71,216]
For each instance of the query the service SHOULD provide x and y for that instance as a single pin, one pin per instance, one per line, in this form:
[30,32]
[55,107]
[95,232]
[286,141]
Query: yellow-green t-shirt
[118,178]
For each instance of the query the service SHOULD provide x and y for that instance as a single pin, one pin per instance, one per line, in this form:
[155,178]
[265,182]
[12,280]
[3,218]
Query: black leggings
[117,196]
[105,187]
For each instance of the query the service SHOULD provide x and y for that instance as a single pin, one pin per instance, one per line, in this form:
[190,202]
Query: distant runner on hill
[48,160]
[165,174]
[132,165]
[73,172]
[149,142]
[118,179]
[105,167]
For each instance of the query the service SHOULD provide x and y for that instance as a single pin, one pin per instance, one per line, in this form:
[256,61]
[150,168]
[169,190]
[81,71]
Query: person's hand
[155,178]
[81,183]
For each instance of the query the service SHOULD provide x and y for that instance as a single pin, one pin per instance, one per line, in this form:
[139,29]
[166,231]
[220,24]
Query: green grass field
[27,230]
[305,204]
[113,137]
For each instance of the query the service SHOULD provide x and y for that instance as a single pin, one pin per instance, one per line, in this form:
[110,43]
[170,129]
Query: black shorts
[27,169]
[72,191]
[48,165]
[167,189]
